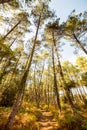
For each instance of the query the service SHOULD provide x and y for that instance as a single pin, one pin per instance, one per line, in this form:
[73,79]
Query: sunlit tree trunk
[40,83]
[22,85]
[48,89]
[80,45]
[63,80]
[35,88]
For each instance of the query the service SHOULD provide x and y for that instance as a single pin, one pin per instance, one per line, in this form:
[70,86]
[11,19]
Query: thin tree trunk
[35,88]
[55,82]
[48,96]
[12,42]
[11,30]
[12,73]
[80,45]
[40,85]
[4,70]
[48,89]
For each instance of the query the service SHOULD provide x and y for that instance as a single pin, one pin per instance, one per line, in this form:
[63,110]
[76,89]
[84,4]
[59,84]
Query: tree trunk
[48,96]
[7,64]
[14,112]
[35,88]
[5,1]
[63,80]
[80,45]
[12,42]
[55,82]
[40,84]
[22,85]
[11,30]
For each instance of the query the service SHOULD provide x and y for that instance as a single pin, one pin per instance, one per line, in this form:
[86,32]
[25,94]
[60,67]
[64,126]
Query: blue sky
[63,8]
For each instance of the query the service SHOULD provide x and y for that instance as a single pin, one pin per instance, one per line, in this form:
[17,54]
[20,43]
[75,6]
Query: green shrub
[70,122]
[8,96]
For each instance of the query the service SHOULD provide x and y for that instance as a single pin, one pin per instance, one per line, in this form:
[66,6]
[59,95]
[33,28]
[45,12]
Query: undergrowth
[67,121]
[26,119]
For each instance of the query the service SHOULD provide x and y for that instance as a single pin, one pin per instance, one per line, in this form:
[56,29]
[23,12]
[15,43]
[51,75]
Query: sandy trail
[47,122]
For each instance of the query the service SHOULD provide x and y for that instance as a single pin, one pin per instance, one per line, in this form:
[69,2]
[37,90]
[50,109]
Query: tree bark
[63,80]
[22,85]
[80,45]
[55,82]
[11,30]
[5,1]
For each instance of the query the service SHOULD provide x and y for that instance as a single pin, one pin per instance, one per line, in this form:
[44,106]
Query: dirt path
[47,122]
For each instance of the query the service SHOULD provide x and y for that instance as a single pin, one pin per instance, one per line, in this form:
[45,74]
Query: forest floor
[30,117]
[47,122]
